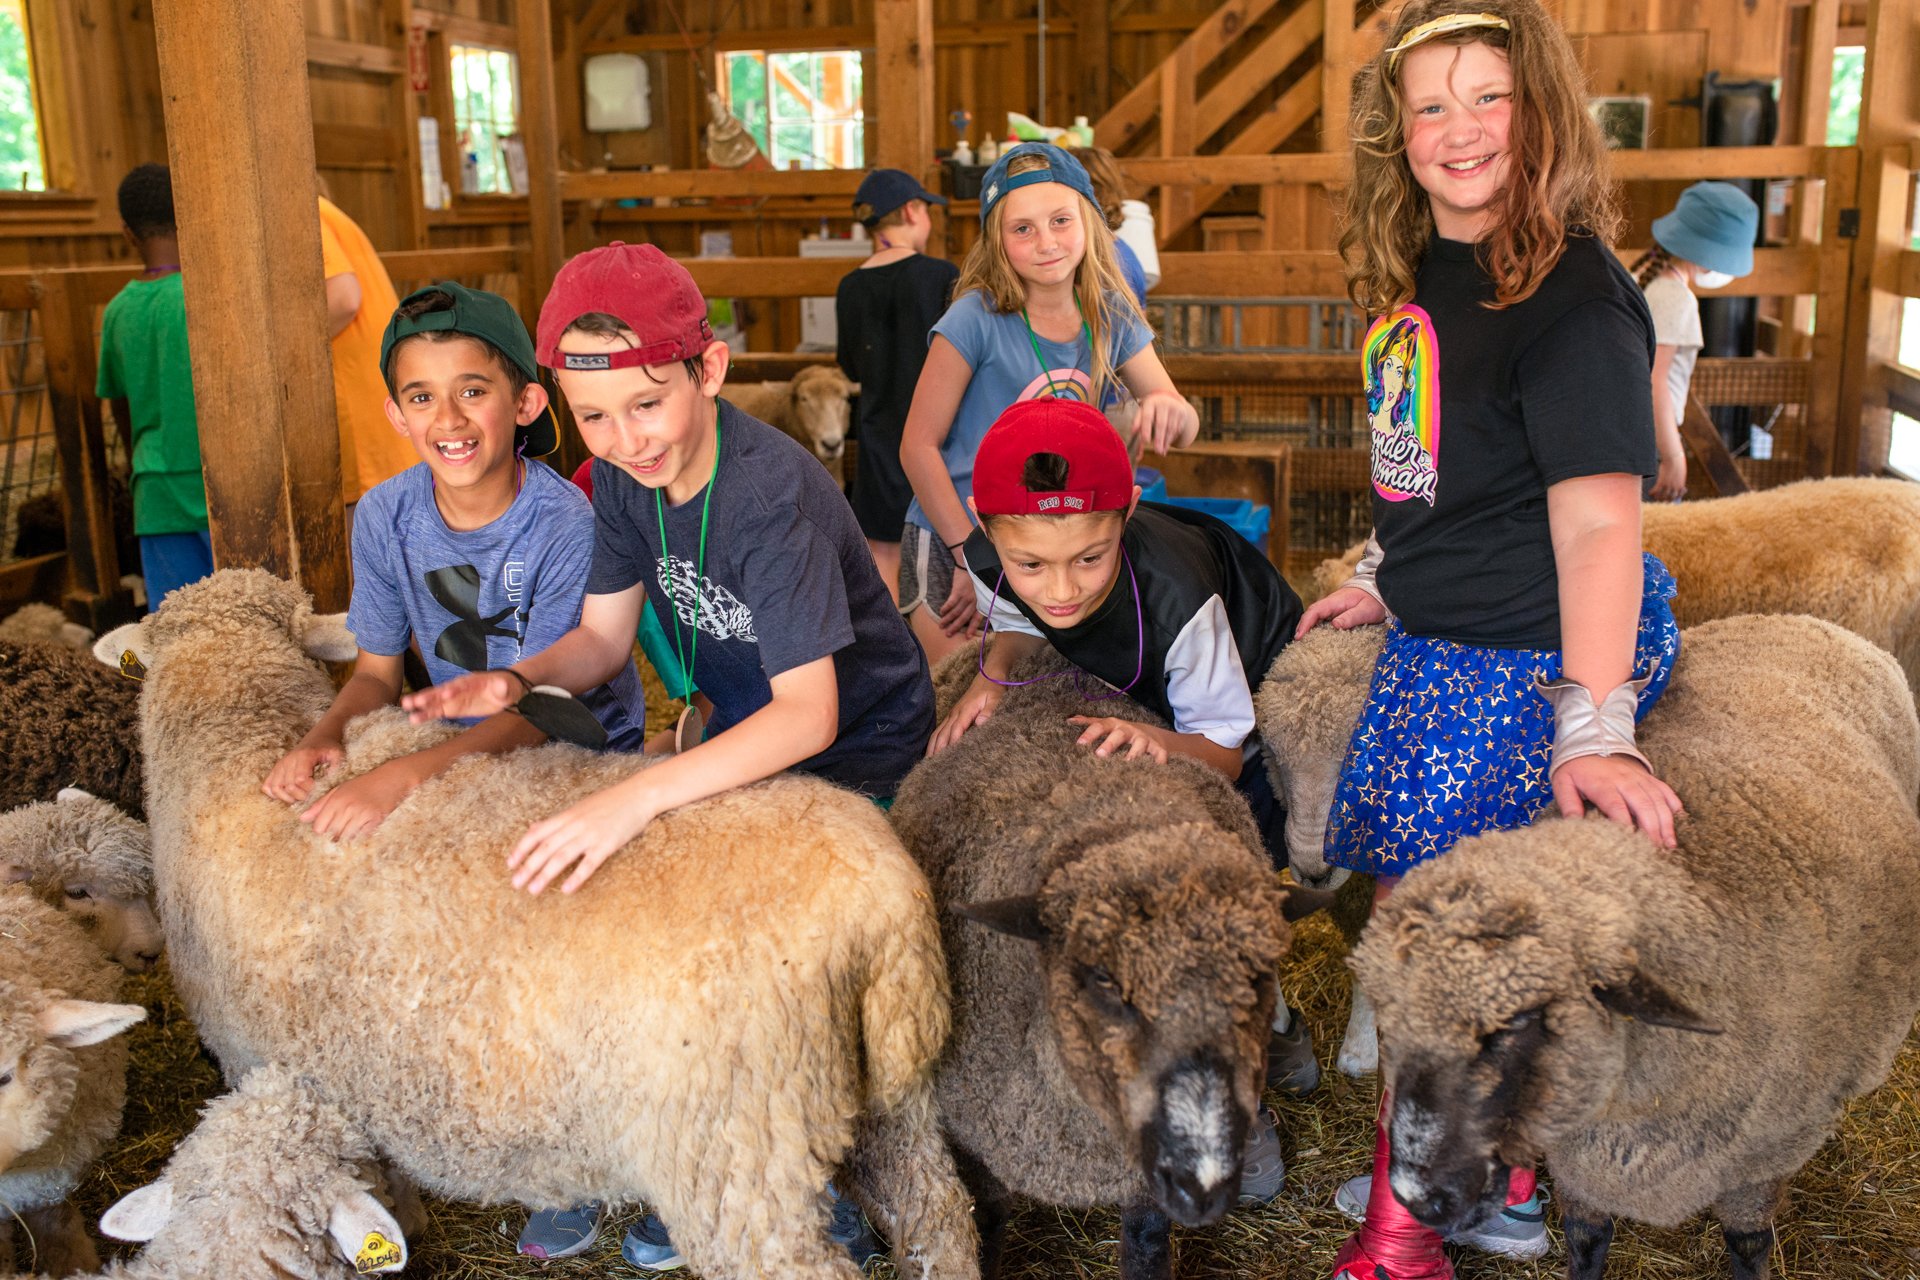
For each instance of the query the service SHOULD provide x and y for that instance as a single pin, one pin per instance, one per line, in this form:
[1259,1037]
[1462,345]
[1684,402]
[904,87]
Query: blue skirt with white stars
[1455,740]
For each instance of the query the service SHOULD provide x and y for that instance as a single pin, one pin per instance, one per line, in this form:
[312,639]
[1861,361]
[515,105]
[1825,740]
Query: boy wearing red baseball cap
[1166,605]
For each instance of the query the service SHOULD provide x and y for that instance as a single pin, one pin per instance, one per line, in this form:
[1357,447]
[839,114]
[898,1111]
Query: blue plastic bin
[1153,485]
[1248,519]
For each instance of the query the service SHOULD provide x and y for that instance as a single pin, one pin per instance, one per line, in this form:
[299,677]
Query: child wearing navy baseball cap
[1168,606]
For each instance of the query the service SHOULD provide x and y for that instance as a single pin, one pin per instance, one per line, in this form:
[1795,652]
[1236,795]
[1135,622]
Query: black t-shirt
[884,315]
[788,580]
[1215,615]
[1475,413]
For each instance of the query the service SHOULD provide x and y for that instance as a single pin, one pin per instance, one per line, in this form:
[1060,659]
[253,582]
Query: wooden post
[395,17]
[903,71]
[1821,21]
[1093,50]
[533,21]
[1336,73]
[1840,181]
[1176,136]
[241,149]
[1889,119]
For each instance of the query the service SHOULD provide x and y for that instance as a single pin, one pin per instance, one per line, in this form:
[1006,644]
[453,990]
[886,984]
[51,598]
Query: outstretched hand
[482,693]
[974,708]
[586,833]
[1347,608]
[1623,790]
[1165,421]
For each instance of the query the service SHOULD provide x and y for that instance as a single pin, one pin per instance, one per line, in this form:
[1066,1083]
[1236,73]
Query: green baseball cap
[492,319]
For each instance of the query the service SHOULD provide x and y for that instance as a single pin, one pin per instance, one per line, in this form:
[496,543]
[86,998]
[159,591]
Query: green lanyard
[1053,388]
[700,567]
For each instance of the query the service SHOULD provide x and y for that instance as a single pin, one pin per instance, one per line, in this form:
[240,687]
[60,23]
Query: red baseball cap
[639,286]
[1099,472]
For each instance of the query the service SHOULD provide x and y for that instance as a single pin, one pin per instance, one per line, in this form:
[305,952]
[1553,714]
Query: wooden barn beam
[1093,51]
[903,58]
[540,127]
[403,106]
[1337,65]
[241,150]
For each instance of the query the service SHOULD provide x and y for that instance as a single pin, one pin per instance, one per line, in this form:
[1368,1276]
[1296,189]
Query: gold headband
[1445,27]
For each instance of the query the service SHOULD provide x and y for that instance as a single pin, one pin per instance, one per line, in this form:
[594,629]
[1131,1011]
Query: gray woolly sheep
[43,624]
[274,1182]
[80,854]
[1114,958]
[814,408]
[65,722]
[706,1026]
[1670,1031]
[63,1075]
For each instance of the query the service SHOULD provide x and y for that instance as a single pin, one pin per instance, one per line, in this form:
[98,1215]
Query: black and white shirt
[1215,612]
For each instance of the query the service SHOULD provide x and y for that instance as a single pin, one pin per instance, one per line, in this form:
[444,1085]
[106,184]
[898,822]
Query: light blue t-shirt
[485,598]
[1005,372]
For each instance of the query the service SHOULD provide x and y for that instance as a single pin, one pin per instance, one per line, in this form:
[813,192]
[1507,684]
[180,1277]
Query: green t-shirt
[143,359]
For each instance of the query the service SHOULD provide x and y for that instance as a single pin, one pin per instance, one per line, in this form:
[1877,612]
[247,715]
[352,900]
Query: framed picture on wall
[1623,120]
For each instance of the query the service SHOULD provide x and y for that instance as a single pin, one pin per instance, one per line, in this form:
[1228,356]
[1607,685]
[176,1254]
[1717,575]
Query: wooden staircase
[1239,53]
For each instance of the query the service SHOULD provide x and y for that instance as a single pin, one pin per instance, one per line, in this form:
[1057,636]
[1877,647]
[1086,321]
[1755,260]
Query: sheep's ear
[139,1215]
[74,1024]
[1644,1000]
[366,1234]
[1302,902]
[1018,917]
[73,795]
[325,636]
[125,650]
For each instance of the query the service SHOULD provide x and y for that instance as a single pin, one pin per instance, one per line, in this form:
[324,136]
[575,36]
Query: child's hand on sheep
[1623,790]
[357,807]
[481,693]
[1113,735]
[588,832]
[1347,608]
[975,707]
[291,778]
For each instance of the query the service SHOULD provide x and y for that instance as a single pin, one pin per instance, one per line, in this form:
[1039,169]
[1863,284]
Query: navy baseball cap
[885,190]
[1060,167]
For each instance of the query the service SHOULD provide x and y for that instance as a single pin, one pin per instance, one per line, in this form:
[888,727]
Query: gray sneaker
[1263,1170]
[561,1233]
[1291,1066]
[848,1229]
[648,1246]
[1518,1231]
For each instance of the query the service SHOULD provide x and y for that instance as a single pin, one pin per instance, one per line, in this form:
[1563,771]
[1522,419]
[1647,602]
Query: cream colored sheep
[702,1027]
[814,408]
[43,624]
[84,856]
[63,1077]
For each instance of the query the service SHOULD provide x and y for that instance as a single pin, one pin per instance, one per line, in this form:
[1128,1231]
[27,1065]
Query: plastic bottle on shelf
[962,153]
[989,151]
[1082,132]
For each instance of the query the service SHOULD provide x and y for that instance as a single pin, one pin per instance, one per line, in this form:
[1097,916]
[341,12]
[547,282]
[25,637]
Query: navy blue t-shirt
[788,580]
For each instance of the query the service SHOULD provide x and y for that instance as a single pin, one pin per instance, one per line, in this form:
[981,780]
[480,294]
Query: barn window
[22,162]
[802,108]
[486,120]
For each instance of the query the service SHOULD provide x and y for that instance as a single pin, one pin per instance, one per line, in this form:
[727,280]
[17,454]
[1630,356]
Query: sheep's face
[87,858]
[126,928]
[822,409]
[1160,988]
[1498,1037]
[38,1072]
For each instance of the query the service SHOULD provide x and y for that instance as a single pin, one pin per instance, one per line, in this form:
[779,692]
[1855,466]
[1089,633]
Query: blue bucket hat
[1713,226]
[1060,167]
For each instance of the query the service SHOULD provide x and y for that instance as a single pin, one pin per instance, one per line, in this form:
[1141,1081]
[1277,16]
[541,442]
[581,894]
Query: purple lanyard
[1140,659]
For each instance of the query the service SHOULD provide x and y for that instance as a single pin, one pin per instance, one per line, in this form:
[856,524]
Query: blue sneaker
[561,1233]
[850,1231]
[647,1245]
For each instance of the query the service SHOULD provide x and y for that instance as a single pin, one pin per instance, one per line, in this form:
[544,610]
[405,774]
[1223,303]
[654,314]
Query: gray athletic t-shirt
[487,597]
[1676,324]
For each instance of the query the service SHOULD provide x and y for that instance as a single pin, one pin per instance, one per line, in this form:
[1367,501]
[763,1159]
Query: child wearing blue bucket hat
[1706,240]
[1041,309]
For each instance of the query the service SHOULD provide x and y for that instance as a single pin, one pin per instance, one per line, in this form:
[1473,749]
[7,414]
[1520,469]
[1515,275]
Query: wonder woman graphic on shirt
[1402,364]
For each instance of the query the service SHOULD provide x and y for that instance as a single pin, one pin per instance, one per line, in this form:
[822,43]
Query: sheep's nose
[1182,1197]
[1433,1206]
[144,960]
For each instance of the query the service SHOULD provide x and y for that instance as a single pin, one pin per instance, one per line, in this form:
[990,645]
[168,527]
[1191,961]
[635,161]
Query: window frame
[766,55]
[451,144]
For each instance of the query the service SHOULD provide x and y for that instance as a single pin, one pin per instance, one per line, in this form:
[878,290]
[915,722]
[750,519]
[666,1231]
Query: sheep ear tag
[366,1234]
[561,716]
[120,649]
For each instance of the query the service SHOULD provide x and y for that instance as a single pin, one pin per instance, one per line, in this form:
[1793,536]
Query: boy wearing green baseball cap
[477,555]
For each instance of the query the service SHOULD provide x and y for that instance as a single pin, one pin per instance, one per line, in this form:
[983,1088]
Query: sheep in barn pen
[65,722]
[37,623]
[1114,932]
[62,1078]
[814,408]
[1670,1031]
[274,1181]
[82,855]
[794,993]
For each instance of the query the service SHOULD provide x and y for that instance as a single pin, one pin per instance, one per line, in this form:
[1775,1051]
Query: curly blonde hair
[1559,180]
[1098,284]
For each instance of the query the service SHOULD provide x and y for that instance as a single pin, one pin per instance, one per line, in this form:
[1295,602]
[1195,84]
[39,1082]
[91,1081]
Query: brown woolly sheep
[63,1076]
[38,623]
[791,991]
[83,856]
[1113,931]
[814,408]
[64,722]
[1670,1031]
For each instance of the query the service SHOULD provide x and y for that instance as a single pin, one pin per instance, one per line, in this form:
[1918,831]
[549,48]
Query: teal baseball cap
[1060,167]
[490,318]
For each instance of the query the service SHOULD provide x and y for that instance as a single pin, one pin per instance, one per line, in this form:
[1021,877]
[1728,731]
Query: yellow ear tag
[377,1253]
[130,665]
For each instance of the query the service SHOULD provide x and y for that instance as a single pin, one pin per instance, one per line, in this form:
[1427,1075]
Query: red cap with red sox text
[1099,472]
[637,285]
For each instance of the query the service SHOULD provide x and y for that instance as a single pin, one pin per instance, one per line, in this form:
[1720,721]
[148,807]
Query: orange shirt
[370,449]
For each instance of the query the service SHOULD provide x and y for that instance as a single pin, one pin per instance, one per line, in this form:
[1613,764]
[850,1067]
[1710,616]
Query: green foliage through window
[1843,100]
[486,109]
[800,107]
[22,166]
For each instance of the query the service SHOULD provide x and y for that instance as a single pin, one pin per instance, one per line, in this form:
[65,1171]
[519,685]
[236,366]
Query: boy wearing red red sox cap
[748,551]
[1166,605]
